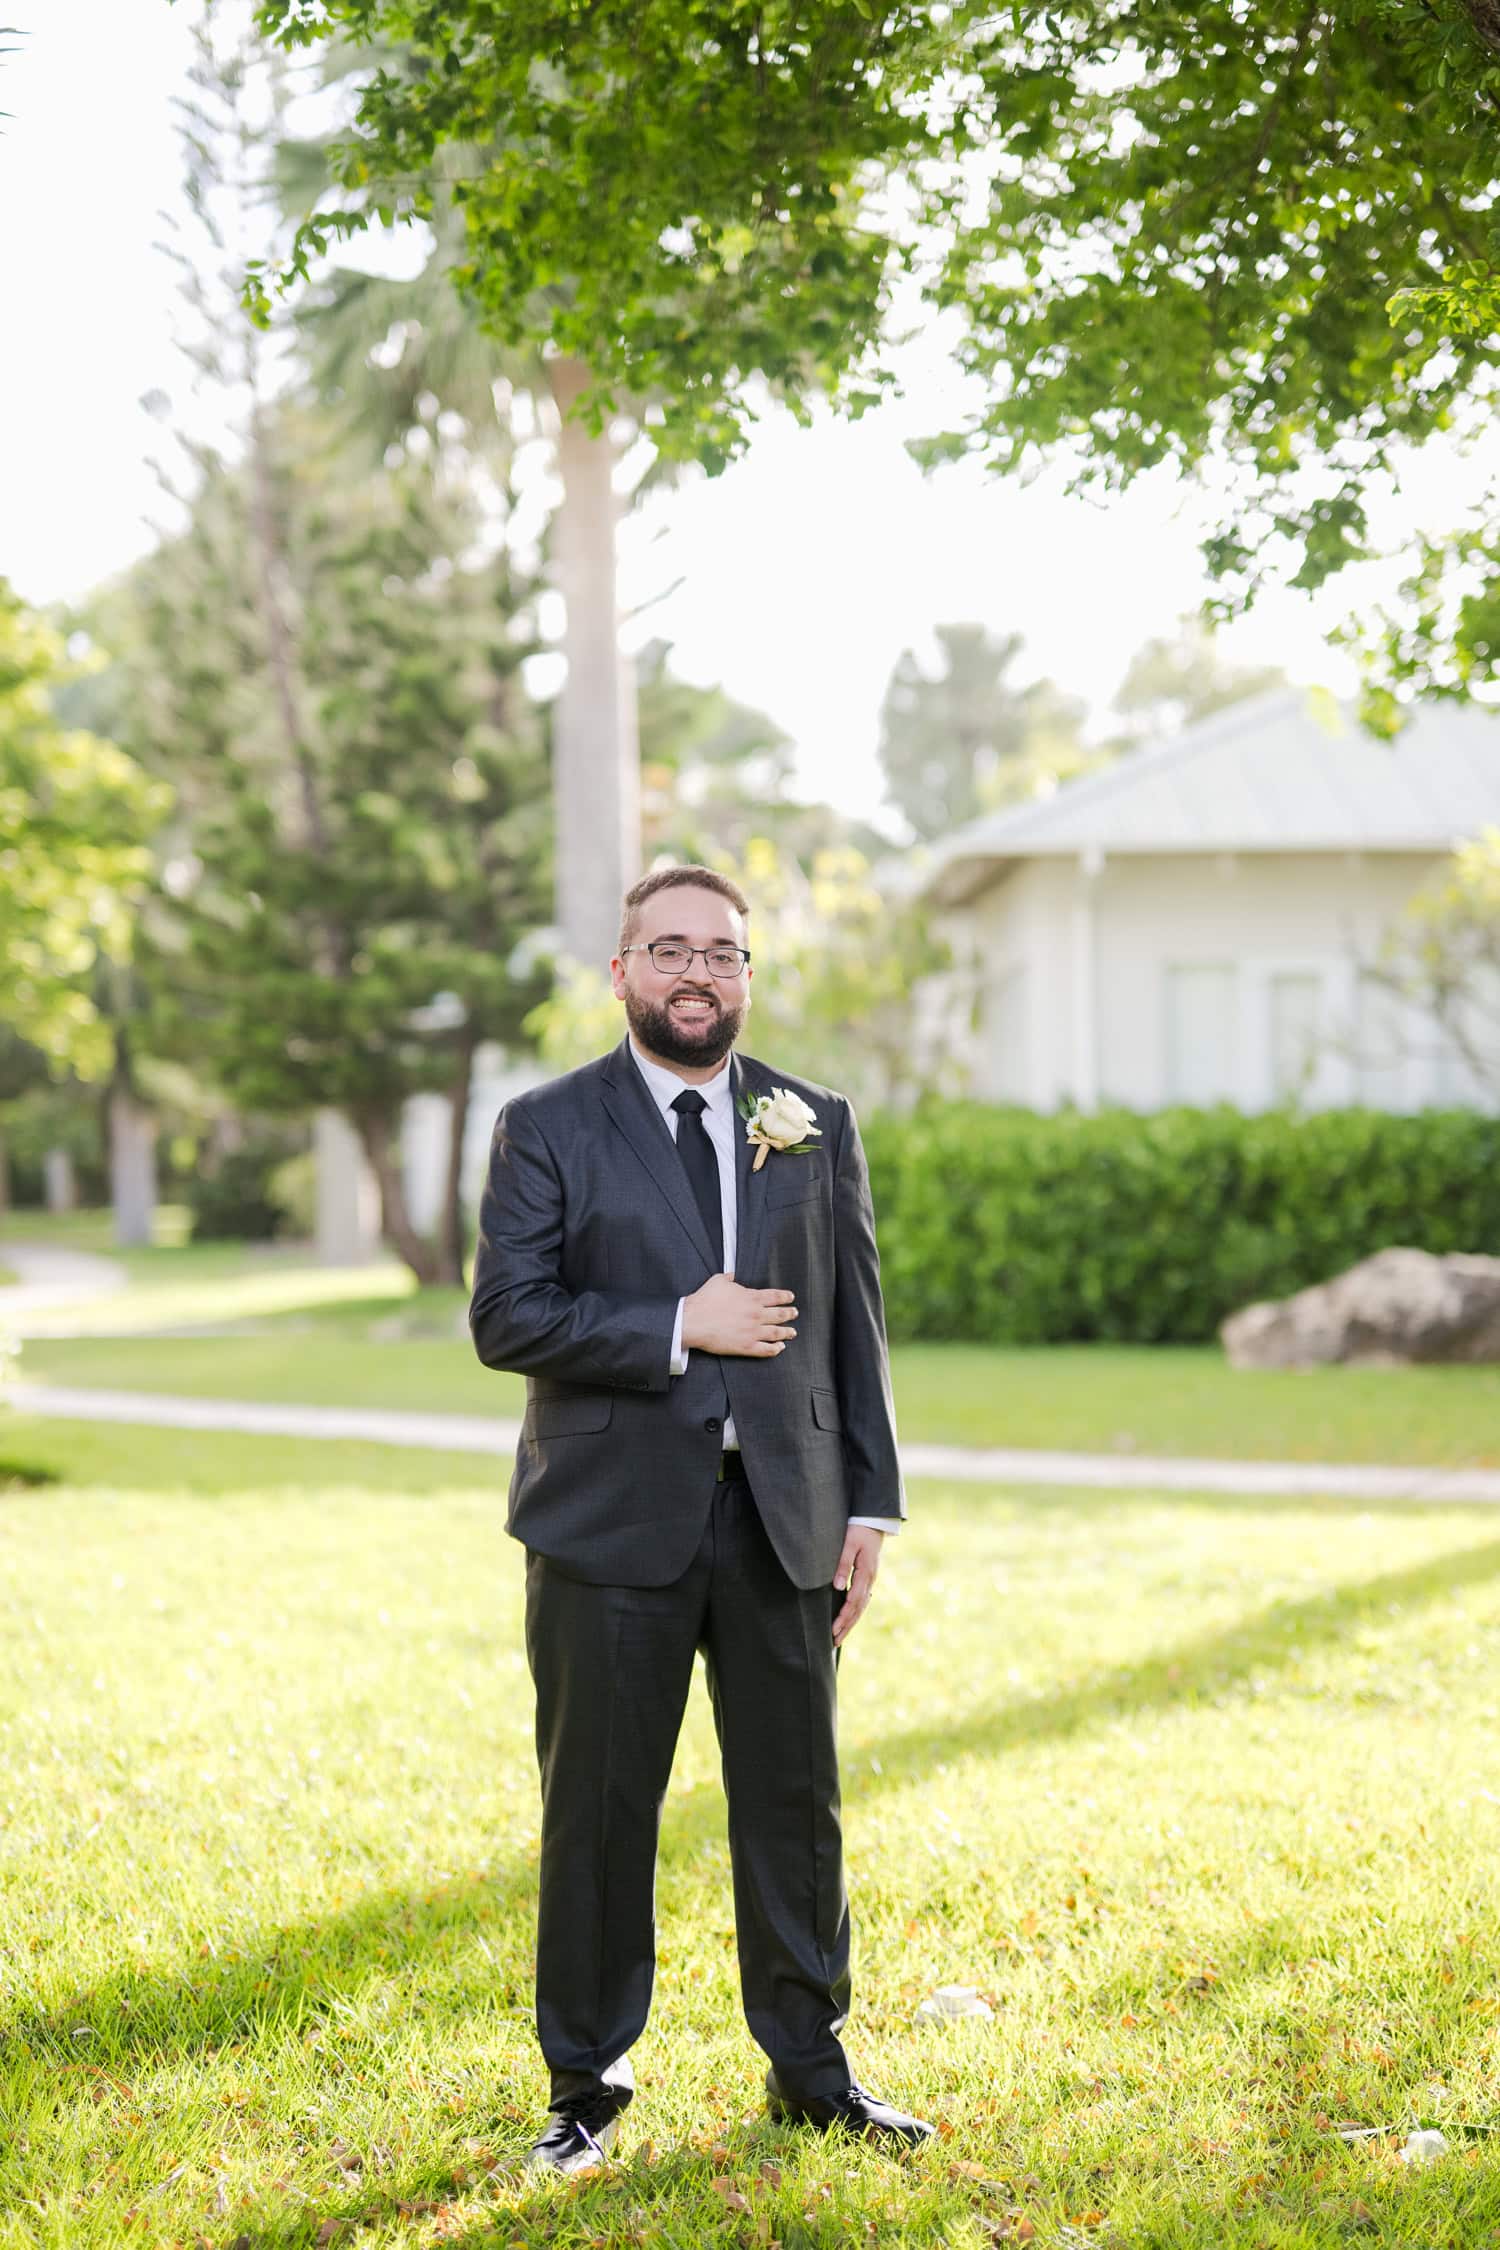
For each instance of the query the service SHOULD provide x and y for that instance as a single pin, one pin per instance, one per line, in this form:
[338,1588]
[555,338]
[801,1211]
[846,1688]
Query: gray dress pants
[612,1667]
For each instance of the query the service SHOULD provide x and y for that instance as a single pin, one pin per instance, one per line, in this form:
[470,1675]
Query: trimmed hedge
[1008,1226]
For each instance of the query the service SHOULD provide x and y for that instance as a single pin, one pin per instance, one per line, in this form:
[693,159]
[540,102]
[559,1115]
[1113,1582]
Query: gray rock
[1399,1307]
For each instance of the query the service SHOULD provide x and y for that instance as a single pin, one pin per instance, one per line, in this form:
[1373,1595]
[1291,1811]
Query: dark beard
[660,1033]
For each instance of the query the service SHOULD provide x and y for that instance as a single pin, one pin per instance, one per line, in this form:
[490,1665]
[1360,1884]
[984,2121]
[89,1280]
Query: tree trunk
[452,1230]
[383,1149]
[132,1168]
[596,762]
[60,1182]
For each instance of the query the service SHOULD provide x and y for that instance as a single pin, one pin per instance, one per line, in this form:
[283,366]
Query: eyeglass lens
[723,961]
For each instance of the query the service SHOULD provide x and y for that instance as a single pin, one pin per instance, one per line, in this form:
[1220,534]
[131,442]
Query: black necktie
[701,1164]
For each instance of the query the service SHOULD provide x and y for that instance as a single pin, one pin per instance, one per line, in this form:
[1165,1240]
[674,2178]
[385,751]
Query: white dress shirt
[664,1087]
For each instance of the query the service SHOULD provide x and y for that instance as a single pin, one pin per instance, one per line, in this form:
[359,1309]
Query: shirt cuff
[677,1365]
[878,1523]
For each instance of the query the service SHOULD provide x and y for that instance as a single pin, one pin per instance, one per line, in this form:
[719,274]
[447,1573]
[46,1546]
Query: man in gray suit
[708,1461]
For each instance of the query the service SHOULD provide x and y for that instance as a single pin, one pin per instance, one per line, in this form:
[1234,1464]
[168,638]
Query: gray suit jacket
[588,1236]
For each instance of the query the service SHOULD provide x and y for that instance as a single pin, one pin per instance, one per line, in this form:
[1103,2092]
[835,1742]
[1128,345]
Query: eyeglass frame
[692,952]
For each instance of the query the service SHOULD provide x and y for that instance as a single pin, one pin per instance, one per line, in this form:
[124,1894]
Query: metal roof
[1282,772]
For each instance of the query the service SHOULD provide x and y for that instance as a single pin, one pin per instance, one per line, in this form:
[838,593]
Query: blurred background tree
[965,738]
[76,818]
[716,774]
[326,660]
[1441,961]
[1177,679]
[365,784]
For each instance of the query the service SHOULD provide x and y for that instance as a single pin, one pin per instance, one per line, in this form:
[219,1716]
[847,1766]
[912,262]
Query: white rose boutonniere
[779,1120]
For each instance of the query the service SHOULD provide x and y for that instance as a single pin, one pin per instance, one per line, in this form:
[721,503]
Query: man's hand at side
[738,1323]
[858,1564]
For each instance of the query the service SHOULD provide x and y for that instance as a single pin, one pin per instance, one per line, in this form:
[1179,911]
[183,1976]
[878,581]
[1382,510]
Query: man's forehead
[685,911]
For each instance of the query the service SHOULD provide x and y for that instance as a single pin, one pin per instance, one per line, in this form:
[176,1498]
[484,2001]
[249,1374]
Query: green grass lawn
[1091,1398]
[301,1333]
[1203,1796]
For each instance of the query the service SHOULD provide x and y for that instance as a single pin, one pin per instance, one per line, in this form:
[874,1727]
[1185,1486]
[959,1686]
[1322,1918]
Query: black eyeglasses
[669,958]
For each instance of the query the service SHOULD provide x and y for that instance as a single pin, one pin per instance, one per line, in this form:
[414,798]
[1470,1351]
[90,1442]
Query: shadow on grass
[300,1970]
[1205,1670]
[291,1979]
[1306,2190]
[666,2200]
[295,1977]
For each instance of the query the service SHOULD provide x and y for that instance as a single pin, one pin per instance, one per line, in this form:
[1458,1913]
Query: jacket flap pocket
[825,1406]
[571,1417]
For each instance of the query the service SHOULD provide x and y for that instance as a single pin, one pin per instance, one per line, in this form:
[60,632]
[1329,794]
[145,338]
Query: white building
[1192,924]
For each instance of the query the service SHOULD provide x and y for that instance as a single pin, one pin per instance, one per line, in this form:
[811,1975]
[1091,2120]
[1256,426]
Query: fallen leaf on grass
[730,2194]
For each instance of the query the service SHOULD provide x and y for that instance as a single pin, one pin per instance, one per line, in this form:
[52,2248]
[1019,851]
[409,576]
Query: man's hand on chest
[725,1318]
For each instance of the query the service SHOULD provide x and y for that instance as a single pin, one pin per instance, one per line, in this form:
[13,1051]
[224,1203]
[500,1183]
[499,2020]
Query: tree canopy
[75,818]
[1259,237]
[675,192]
[1263,237]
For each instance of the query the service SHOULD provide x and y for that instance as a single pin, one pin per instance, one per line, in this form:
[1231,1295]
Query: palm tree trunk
[596,761]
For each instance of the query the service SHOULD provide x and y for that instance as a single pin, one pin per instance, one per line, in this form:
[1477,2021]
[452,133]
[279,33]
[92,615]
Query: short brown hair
[667,879]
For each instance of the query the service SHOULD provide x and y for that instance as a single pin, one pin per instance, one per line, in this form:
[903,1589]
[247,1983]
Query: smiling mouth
[690,1006]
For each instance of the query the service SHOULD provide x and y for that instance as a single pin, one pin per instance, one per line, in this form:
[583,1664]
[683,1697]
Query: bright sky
[805,570]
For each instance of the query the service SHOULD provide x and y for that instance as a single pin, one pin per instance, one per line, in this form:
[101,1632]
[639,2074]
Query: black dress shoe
[579,2135]
[851,2110]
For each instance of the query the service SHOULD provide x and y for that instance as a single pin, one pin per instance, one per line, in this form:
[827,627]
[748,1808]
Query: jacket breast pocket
[804,1188]
[571,1417]
[825,1410]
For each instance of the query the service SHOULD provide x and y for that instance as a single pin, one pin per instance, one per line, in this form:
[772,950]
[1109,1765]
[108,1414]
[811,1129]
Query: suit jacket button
[713,1423]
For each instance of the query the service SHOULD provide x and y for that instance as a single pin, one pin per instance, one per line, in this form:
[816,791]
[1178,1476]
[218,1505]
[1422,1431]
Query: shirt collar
[665,1085]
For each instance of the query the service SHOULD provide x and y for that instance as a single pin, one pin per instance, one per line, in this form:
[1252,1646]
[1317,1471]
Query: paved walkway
[472,1433]
[51,1278]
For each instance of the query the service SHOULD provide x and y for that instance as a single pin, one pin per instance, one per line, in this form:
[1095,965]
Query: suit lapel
[627,1098]
[749,1185]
